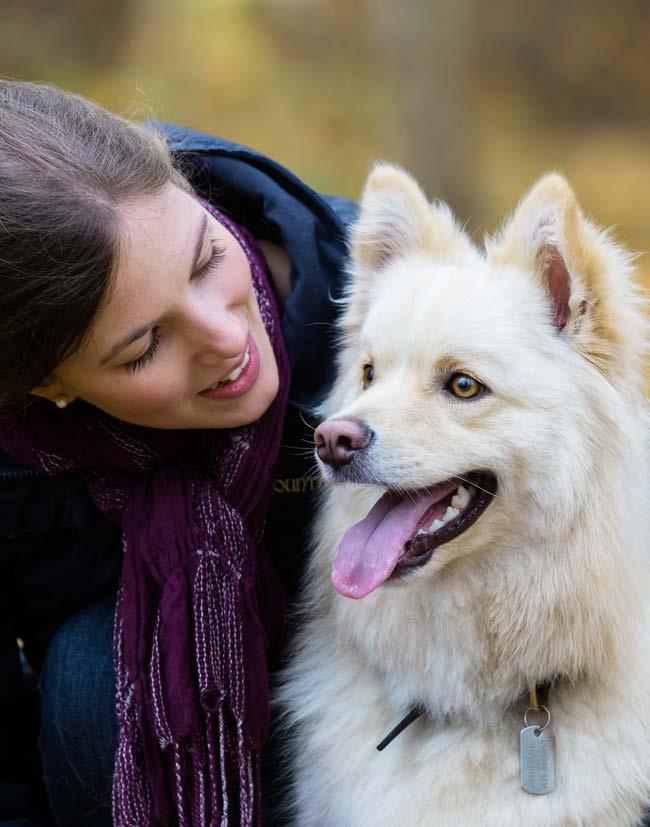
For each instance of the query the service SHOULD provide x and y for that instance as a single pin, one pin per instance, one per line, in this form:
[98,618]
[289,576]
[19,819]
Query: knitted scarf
[196,588]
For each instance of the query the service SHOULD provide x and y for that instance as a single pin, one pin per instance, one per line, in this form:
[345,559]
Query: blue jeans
[78,729]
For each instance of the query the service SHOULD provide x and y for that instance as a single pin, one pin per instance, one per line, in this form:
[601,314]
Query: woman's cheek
[163,392]
[143,394]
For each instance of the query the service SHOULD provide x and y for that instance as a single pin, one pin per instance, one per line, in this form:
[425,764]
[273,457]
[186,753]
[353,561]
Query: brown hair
[65,166]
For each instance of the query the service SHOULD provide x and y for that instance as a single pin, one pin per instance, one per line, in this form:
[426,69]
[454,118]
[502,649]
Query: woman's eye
[147,356]
[217,255]
[465,387]
[368,376]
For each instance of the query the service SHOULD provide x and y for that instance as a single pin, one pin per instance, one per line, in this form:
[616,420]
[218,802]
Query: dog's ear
[543,237]
[585,275]
[395,218]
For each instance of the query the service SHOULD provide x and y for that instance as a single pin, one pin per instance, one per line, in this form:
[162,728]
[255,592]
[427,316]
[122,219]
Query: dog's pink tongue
[370,549]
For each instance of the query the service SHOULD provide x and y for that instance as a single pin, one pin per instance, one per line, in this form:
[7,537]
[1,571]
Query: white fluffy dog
[485,528]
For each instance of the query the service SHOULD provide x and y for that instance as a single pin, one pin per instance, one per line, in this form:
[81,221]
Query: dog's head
[481,390]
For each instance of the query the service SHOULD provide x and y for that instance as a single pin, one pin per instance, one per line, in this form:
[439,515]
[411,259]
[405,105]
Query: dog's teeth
[461,497]
[450,513]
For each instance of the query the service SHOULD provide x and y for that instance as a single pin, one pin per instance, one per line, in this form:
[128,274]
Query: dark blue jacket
[57,552]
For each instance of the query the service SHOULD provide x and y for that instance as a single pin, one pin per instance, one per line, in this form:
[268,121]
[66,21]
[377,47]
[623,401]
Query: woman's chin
[244,410]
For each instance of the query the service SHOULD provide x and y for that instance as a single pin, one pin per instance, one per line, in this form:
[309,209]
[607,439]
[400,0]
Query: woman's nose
[221,336]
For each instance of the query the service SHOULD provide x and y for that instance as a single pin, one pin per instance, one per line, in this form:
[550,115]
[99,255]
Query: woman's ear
[53,393]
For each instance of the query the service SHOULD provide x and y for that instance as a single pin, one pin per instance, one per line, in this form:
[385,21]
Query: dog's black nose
[337,440]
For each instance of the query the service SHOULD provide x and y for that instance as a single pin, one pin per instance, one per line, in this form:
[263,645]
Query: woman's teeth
[459,501]
[237,372]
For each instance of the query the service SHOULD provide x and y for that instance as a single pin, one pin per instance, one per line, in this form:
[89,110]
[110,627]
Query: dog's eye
[368,375]
[464,386]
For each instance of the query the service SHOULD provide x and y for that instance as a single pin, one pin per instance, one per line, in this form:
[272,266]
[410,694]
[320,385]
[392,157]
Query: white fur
[552,579]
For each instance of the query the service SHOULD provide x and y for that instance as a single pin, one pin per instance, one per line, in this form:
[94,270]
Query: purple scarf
[190,642]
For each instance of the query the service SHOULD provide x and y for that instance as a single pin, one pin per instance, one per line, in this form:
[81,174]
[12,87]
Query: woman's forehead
[156,226]
[158,240]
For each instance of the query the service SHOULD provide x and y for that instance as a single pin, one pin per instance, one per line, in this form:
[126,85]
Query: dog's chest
[427,649]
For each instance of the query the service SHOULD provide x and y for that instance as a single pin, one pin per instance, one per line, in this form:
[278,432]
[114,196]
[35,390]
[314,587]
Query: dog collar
[538,696]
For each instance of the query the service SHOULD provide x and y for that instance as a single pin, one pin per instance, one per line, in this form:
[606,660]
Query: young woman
[165,329]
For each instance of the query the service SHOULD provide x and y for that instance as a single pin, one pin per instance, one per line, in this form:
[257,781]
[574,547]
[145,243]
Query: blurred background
[477,99]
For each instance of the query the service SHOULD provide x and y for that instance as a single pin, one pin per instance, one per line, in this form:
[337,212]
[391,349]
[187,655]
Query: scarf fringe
[199,768]
[131,796]
[219,658]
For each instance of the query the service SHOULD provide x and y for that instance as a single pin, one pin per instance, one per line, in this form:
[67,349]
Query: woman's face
[179,342]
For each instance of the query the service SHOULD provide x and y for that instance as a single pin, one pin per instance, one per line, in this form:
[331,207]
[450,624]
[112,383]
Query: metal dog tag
[537,760]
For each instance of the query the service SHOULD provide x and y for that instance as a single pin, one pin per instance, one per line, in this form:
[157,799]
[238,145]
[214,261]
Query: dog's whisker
[475,485]
[289,447]
[304,421]
[412,494]
[312,473]
[298,451]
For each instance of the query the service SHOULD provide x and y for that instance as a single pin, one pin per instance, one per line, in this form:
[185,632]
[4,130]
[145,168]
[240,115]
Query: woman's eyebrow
[137,334]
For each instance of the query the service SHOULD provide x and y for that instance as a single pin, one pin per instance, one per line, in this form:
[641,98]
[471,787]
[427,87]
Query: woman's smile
[241,379]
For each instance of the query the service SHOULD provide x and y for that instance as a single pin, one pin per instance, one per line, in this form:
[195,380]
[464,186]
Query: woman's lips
[244,382]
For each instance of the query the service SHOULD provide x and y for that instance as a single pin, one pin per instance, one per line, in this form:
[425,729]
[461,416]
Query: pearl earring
[61,402]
